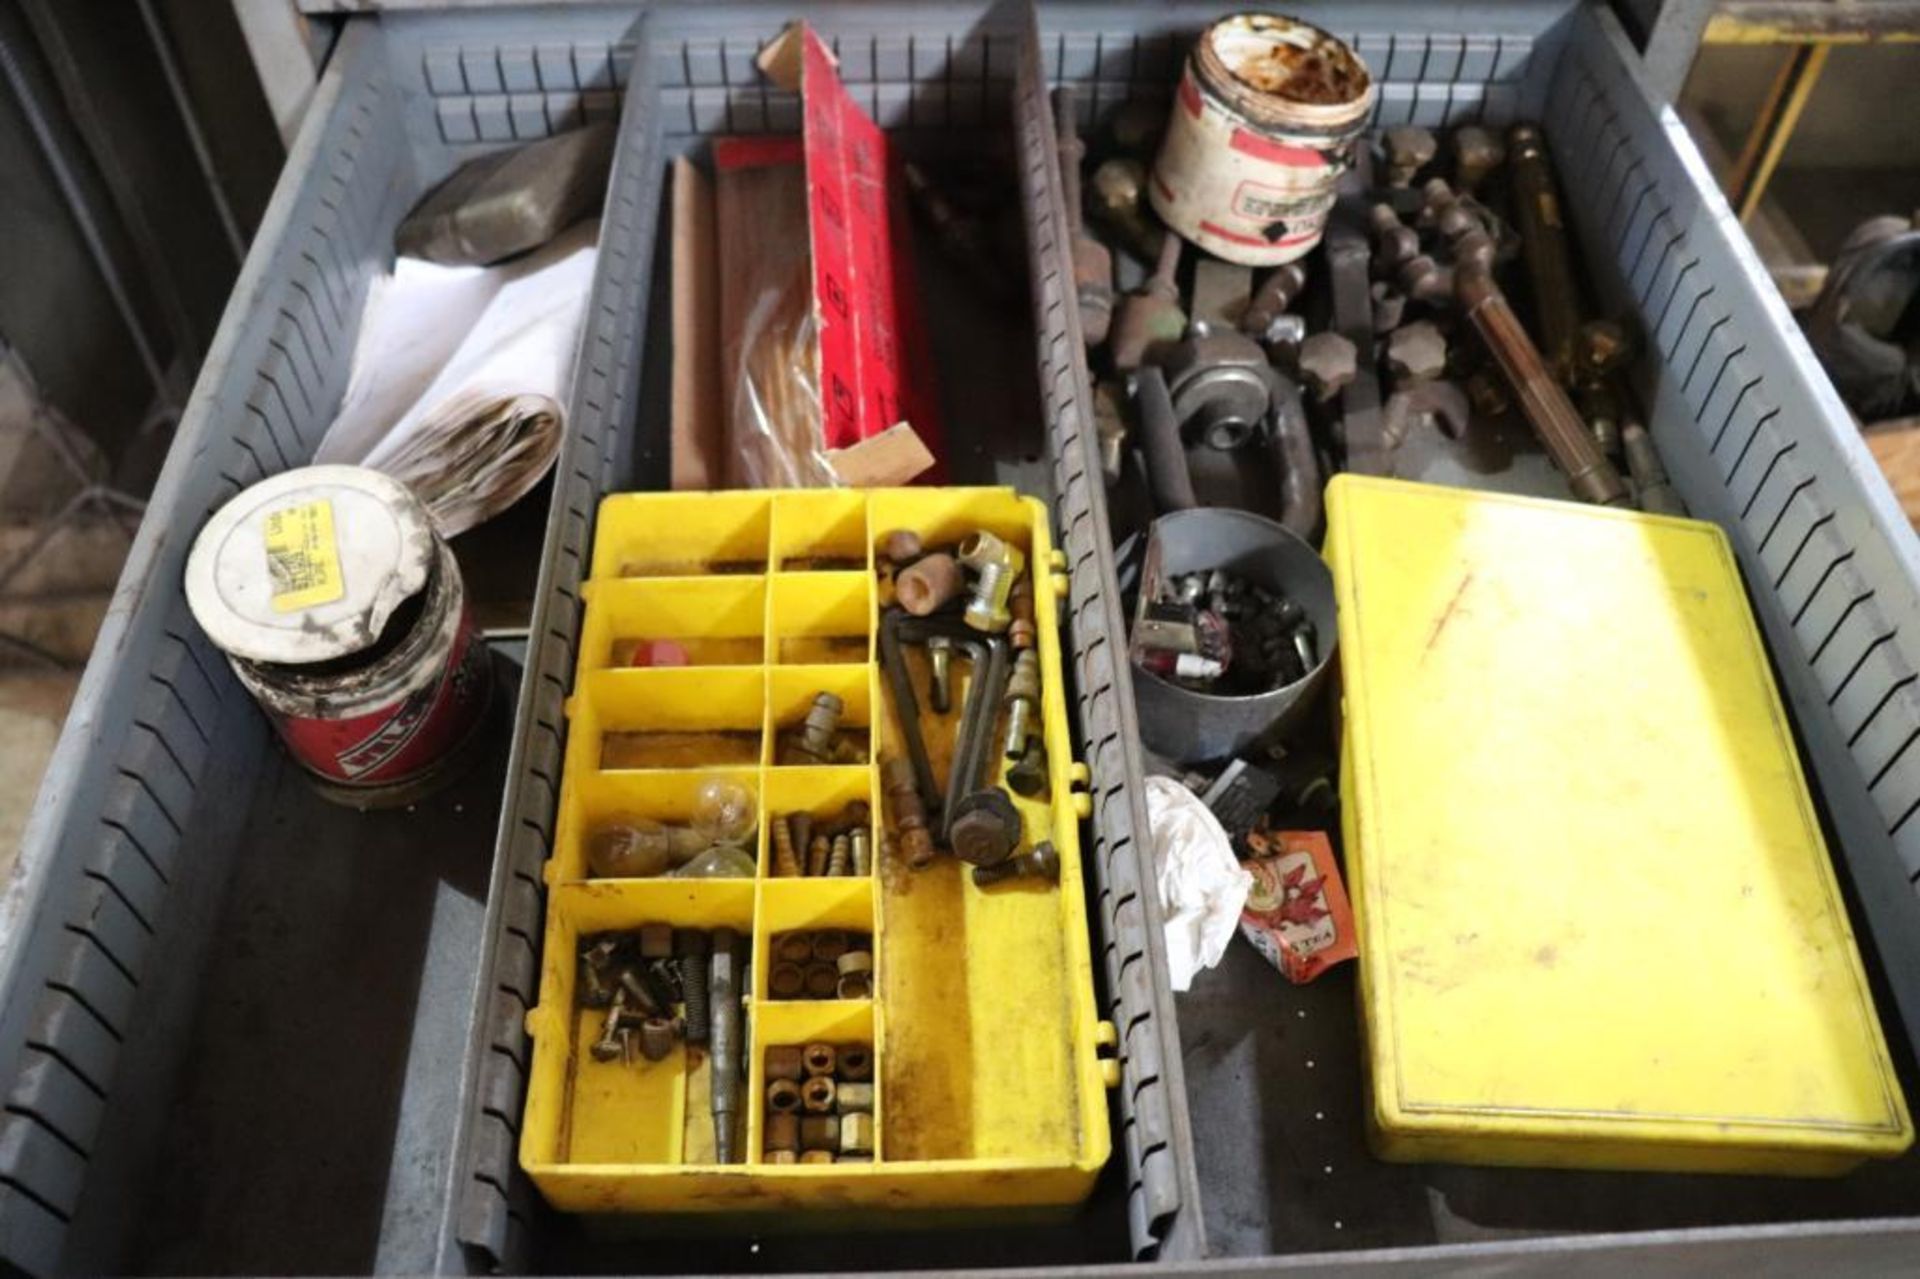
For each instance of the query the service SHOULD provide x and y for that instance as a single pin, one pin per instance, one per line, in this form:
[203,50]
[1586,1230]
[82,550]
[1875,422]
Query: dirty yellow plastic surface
[1599,927]
[990,1086]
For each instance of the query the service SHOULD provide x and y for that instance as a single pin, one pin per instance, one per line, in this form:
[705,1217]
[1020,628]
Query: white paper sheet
[460,378]
[1202,886]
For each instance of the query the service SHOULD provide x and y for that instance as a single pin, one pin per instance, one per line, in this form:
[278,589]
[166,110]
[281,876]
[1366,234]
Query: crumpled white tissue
[1202,887]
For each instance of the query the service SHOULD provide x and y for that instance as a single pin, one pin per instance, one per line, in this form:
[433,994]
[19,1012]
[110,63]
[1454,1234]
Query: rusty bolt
[909,814]
[1409,148]
[862,851]
[840,857]
[1487,393]
[818,854]
[853,1098]
[1394,241]
[855,1062]
[783,1156]
[610,1043]
[1600,349]
[814,740]
[1416,352]
[1389,306]
[1328,361]
[1020,604]
[783,1061]
[985,828]
[1042,863]
[816,1095]
[1476,153]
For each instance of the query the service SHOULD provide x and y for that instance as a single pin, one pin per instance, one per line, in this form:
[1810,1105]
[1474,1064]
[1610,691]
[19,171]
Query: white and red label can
[344,615]
[1263,126]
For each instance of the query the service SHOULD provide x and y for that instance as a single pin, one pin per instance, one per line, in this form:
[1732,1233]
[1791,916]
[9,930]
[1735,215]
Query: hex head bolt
[986,827]
[786,862]
[690,946]
[783,1097]
[725,993]
[816,1095]
[819,1059]
[928,584]
[1272,299]
[1394,242]
[1041,862]
[855,1063]
[909,814]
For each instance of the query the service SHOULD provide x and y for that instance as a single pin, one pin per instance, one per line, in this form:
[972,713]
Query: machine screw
[690,944]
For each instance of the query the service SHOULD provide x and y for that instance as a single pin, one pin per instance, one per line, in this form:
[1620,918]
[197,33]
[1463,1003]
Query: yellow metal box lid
[1599,926]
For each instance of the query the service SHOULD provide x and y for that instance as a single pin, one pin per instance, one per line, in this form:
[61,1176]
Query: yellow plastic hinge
[1057,559]
[1082,805]
[1106,1038]
[540,1023]
[550,872]
[587,591]
[1059,585]
[567,707]
[1079,774]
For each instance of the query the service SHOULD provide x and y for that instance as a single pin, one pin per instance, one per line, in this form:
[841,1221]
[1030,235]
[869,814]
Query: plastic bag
[775,436]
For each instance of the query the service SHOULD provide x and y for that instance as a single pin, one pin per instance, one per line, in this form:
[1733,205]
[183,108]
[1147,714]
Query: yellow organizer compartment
[989,1079]
[1598,924]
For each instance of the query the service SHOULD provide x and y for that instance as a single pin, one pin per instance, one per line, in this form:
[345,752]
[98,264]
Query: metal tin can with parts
[343,613]
[1262,128]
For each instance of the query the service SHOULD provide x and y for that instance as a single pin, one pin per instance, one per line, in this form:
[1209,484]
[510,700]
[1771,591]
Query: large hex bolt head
[1328,361]
[986,827]
[1416,352]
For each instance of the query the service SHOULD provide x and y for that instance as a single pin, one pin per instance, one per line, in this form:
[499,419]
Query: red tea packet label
[1297,914]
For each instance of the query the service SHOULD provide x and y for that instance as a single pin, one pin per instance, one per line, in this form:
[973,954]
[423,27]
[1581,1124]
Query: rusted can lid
[308,566]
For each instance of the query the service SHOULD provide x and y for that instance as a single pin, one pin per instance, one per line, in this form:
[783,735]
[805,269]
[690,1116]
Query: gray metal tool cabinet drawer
[239,1030]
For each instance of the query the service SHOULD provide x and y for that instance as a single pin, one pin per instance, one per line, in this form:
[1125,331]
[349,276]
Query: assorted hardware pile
[819,1104]
[663,987]
[972,604]
[836,846]
[827,963]
[1219,633]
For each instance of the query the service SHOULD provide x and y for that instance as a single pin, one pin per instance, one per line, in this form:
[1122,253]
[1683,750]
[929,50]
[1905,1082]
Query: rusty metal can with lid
[343,613]
[1262,128]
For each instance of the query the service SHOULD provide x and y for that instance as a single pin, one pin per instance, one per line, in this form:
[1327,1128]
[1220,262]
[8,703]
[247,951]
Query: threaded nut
[782,1133]
[783,1061]
[821,981]
[849,1098]
[783,1097]
[856,1134]
[855,1062]
[816,1095]
[820,1059]
[786,981]
[820,1132]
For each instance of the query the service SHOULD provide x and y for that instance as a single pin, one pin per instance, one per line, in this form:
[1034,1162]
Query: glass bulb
[723,811]
[634,849]
[722,861]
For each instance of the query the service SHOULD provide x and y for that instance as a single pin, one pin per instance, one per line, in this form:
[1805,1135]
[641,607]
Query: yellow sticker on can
[302,557]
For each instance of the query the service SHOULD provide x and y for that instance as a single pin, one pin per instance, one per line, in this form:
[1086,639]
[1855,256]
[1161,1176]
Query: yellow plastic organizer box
[1598,924]
[988,1076]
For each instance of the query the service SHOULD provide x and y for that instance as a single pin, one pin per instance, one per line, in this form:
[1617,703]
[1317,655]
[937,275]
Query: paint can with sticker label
[343,613]
[1263,126]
